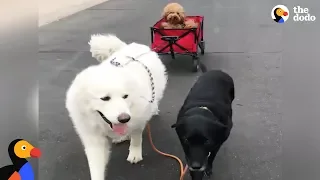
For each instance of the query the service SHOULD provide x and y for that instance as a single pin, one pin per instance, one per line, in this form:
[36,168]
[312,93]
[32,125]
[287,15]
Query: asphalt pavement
[241,39]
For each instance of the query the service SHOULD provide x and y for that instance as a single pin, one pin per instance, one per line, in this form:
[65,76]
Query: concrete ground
[240,40]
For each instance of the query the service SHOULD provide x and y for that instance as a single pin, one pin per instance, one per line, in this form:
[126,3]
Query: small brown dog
[174,15]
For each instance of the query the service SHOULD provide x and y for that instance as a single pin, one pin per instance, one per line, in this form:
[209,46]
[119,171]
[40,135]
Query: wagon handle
[170,38]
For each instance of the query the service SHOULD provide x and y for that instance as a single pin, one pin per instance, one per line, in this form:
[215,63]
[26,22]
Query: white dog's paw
[120,139]
[135,155]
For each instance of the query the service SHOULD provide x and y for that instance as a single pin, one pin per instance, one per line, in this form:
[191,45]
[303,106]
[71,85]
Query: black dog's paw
[208,171]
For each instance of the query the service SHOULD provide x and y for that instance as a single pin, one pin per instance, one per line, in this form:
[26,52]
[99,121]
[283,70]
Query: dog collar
[132,59]
[205,108]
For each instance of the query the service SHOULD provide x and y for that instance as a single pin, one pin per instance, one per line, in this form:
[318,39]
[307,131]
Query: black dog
[205,121]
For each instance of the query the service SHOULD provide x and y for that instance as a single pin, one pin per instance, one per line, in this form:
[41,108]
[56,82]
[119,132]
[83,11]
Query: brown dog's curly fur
[174,16]
[190,23]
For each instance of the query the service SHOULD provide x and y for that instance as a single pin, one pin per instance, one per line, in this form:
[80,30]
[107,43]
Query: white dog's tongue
[120,129]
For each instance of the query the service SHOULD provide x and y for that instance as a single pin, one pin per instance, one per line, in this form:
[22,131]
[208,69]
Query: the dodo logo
[280,13]
[19,150]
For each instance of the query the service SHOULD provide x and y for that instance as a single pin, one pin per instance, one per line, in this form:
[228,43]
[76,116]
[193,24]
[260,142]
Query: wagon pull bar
[170,38]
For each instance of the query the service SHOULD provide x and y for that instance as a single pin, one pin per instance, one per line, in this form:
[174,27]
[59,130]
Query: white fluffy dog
[113,101]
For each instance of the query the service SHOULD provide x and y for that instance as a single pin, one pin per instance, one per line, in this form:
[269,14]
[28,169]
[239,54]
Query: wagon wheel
[202,47]
[195,64]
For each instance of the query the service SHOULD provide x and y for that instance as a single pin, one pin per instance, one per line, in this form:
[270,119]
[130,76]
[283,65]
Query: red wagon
[179,41]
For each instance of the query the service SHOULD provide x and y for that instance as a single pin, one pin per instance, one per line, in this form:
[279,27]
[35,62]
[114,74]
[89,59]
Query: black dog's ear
[173,125]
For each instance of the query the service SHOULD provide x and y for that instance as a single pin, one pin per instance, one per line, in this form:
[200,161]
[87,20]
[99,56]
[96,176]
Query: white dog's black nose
[124,118]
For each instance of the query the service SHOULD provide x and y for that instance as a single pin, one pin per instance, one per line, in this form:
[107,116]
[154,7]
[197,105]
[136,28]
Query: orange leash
[182,169]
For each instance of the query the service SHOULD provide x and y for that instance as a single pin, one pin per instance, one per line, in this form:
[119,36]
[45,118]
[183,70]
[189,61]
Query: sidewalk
[50,11]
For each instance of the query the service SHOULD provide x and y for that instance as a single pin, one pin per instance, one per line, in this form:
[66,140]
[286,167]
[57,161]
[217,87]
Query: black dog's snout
[196,165]
[124,118]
